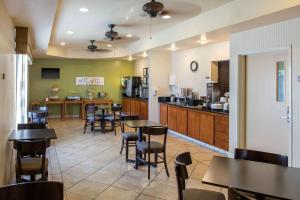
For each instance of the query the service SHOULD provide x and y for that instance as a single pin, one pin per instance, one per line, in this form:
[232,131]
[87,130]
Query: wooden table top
[263,178]
[32,134]
[140,123]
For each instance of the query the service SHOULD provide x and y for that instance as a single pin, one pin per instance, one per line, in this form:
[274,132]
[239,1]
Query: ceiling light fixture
[145,54]
[70,32]
[63,44]
[129,35]
[173,47]
[109,45]
[84,10]
[203,39]
[166,16]
[130,58]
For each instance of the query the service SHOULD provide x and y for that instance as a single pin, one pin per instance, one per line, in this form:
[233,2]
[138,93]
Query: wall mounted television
[50,73]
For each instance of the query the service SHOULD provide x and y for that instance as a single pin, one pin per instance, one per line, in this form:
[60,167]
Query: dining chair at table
[114,119]
[153,147]
[91,119]
[45,190]
[129,139]
[259,156]
[234,194]
[32,165]
[181,163]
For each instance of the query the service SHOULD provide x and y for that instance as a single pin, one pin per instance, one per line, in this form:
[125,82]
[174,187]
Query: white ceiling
[127,14]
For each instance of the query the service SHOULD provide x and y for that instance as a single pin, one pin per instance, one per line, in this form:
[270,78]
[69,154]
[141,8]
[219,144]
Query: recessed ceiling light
[129,35]
[63,44]
[166,16]
[109,45]
[145,54]
[84,10]
[70,32]
[130,58]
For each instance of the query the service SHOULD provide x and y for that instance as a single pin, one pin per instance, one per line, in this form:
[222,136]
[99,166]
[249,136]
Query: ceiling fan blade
[103,50]
[164,12]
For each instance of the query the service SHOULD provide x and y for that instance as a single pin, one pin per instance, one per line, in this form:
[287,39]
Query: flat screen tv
[50,73]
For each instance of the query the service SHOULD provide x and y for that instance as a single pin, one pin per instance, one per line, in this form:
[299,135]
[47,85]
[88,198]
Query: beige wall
[159,70]
[7,93]
[180,62]
[140,64]
[283,35]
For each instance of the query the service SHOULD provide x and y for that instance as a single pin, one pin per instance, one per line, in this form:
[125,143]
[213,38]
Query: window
[280,81]
[21,87]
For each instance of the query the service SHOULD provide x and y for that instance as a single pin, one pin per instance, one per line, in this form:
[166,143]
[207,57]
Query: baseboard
[202,144]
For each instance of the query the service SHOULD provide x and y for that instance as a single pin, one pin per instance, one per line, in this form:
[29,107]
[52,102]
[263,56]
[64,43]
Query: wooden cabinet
[144,109]
[222,132]
[126,105]
[181,116]
[137,107]
[207,124]
[177,119]
[172,118]
[163,114]
[194,124]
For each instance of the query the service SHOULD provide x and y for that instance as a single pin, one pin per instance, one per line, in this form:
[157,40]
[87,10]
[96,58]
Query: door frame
[242,79]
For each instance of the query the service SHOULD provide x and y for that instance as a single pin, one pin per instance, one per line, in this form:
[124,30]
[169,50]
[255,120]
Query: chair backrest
[260,156]
[181,161]
[234,194]
[156,131]
[48,190]
[117,111]
[31,126]
[90,108]
[41,108]
[25,147]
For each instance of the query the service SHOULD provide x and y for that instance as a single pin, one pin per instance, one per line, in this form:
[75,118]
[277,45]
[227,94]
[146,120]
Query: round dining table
[102,113]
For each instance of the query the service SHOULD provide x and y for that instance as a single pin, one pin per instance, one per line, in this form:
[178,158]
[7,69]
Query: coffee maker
[131,86]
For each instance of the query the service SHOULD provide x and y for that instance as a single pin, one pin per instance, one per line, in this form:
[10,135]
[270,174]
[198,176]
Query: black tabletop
[267,179]
[32,134]
[140,123]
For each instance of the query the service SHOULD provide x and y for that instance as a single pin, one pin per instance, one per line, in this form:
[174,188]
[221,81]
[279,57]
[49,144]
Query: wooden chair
[32,165]
[234,194]
[33,191]
[115,118]
[181,162]
[259,156]
[152,147]
[129,139]
[39,118]
[91,119]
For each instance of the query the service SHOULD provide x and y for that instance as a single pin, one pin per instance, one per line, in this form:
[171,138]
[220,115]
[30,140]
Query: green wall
[111,70]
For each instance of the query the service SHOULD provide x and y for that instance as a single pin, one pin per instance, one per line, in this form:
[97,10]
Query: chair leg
[115,131]
[136,158]
[122,146]
[127,149]
[85,125]
[148,165]
[166,166]
[155,159]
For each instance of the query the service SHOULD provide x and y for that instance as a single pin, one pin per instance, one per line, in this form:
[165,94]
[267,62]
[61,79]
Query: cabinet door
[194,124]
[222,132]
[125,106]
[182,121]
[207,128]
[144,110]
[163,114]
[172,119]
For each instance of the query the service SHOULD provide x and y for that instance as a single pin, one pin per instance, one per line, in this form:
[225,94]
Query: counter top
[197,108]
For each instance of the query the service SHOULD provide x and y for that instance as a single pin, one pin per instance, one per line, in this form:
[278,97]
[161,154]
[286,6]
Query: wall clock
[194,66]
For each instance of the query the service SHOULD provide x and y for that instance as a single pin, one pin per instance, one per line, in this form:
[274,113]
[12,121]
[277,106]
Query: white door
[267,103]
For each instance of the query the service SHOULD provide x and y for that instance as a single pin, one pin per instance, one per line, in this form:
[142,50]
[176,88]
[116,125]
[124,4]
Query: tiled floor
[92,168]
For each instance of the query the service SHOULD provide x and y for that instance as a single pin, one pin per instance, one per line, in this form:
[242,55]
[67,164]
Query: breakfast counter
[208,126]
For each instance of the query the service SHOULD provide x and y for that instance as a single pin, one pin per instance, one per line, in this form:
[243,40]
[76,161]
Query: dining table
[262,179]
[140,125]
[32,134]
[102,110]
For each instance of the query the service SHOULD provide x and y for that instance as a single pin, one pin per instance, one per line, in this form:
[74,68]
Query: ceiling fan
[92,47]
[111,34]
[154,8]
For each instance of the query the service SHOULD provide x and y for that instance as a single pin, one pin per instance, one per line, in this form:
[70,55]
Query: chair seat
[131,136]
[92,118]
[30,164]
[155,147]
[196,194]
